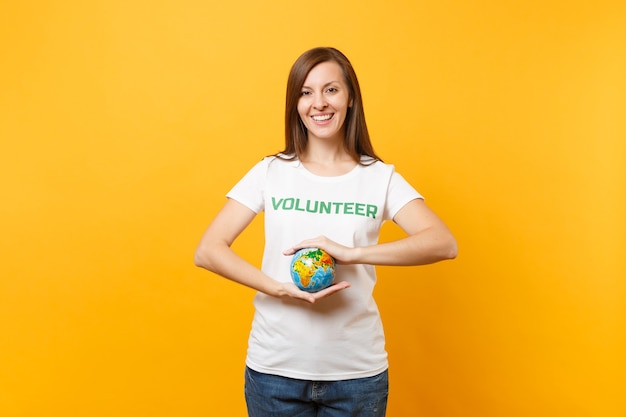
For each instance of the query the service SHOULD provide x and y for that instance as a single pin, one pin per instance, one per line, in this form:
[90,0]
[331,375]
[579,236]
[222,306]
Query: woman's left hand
[341,254]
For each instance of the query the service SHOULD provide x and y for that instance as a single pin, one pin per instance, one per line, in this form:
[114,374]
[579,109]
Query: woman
[321,353]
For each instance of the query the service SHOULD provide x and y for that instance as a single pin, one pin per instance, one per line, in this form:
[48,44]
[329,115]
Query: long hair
[356,137]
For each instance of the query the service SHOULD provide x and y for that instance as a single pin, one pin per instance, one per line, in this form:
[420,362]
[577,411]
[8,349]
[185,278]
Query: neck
[323,152]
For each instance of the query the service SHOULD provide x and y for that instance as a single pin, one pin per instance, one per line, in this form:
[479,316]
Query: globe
[312,269]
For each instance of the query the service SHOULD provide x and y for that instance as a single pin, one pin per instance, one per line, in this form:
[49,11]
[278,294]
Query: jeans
[277,396]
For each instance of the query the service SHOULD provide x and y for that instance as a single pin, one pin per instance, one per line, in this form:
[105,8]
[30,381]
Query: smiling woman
[326,190]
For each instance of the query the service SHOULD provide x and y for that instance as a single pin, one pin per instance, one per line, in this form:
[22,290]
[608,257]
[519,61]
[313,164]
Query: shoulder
[280,161]
[282,158]
[376,165]
[277,159]
[382,170]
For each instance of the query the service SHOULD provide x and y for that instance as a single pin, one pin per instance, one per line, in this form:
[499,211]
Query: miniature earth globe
[312,269]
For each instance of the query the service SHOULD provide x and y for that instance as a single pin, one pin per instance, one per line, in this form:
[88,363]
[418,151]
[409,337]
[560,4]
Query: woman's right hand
[289,289]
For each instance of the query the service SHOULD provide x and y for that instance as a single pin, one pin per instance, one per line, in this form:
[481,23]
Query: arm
[214,253]
[428,240]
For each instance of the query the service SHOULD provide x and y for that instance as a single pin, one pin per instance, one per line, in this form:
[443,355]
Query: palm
[294,292]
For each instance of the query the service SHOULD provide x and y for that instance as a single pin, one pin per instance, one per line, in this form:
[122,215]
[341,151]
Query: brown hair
[357,140]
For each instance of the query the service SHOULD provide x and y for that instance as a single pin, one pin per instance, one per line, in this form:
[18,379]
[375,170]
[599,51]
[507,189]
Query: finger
[332,289]
[309,243]
[296,248]
[290,251]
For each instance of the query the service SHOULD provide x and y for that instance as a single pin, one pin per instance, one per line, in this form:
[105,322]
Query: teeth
[322,118]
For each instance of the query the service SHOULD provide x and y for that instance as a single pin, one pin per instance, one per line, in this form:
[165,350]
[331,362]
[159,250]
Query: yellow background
[124,123]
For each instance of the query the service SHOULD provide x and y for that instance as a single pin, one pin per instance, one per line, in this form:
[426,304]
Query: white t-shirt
[340,337]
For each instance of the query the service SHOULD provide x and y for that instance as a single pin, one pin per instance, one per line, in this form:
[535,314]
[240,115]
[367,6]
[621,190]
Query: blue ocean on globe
[312,269]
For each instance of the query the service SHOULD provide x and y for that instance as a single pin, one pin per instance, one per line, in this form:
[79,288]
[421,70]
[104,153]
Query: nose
[319,102]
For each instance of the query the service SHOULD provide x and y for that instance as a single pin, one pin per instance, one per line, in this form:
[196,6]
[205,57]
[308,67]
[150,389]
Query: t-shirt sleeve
[399,193]
[249,191]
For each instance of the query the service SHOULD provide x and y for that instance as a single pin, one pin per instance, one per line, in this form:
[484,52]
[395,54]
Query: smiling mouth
[322,118]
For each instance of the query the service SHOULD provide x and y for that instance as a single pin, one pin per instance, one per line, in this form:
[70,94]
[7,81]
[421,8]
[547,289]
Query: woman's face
[324,102]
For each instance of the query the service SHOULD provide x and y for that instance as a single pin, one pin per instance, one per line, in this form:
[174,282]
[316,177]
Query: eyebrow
[325,85]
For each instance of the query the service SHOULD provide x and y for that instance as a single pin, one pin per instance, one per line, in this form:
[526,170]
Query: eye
[304,93]
[331,90]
